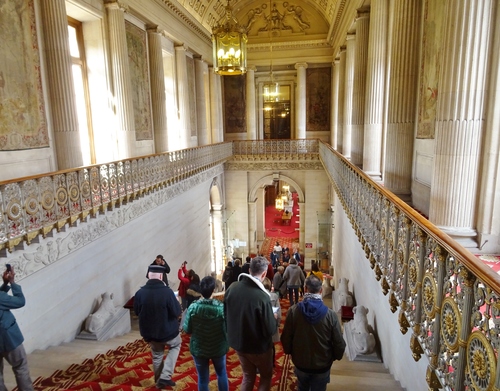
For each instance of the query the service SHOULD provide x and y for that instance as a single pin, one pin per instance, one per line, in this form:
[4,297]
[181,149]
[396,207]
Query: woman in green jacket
[205,322]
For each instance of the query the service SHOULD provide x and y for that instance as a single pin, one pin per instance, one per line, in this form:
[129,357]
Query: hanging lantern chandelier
[229,40]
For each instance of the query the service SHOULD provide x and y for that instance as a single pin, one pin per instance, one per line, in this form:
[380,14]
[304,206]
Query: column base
[464,236]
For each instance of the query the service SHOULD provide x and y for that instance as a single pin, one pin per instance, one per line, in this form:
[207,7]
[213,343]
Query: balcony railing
[36,205]
[445,296]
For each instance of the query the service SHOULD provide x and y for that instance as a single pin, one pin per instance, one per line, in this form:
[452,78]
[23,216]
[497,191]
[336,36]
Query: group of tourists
[247,320]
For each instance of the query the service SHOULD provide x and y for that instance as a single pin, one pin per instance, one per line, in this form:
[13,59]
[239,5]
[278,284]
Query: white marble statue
[104,313]
[363,339]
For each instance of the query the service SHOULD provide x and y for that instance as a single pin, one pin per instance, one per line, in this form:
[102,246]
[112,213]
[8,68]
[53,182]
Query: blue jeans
[312,381]
[202,367]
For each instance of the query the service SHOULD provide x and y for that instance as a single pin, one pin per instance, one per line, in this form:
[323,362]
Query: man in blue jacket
[158,310]
[11,338]
[312,335]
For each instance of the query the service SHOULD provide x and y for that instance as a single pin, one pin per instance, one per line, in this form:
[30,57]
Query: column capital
[301,65]
[251,68]
[181,47]
[153,29]
[343,48]
[116,5]
[350,36]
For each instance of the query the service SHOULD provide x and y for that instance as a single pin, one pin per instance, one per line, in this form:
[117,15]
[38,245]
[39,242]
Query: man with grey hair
[251,324]
[313,337]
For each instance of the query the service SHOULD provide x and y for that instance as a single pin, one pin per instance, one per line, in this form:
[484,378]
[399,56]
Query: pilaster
[158,98]
[61,85]
[202,105]
[250,104]
[183,95]
[122,87]
[301,100]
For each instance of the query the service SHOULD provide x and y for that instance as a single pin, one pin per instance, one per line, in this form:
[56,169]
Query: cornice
[273,166]
[293,45]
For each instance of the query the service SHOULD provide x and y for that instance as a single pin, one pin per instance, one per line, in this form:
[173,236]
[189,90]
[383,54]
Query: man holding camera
[11,338]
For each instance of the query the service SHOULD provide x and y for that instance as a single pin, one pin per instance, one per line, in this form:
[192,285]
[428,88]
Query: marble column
[217,237]
[375,89]
[158,98]
[300,106]
[460,117]
[183,96]
[341,100]
[302,223]
[251,111]
[61,85]
[202,102]
[348,95]
[359,86]
[252,226]
[403,93]
[122,85]
[334,126]
[488,203]
[217,126]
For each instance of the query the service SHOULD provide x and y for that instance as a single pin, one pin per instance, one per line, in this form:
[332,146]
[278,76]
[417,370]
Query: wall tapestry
[23,124]
[139,75]
[429,67]
[192,96]
[234,104]
[318,96]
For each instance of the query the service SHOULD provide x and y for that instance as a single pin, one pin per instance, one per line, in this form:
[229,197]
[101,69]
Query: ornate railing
[444,294]
[275,149]
[35,205]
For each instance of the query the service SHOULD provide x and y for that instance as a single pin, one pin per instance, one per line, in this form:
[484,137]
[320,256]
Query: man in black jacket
[251,324]
[313,337]
[158,310]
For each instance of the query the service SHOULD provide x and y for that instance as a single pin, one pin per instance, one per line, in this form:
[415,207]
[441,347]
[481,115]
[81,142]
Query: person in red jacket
[185,276]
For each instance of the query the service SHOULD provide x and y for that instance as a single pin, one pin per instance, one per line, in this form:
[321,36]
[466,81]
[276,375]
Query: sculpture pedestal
[118,325]
[350,350]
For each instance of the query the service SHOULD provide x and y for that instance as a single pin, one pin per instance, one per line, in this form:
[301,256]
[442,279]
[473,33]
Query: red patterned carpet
[129,368]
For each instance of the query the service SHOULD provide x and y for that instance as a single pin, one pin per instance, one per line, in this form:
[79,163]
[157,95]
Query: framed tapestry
[23,122]
[139,75]
[234,104]
[318,96]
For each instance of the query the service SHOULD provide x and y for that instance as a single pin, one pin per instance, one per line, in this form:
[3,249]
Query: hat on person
[156,269]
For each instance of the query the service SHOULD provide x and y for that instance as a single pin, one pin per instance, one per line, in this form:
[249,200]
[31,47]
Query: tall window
[81,90]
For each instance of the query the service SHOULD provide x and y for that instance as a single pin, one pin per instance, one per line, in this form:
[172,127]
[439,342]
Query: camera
[8,267]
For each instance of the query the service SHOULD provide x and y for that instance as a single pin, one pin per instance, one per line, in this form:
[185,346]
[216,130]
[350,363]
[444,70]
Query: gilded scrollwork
[429,295]
[481,362]
[450,324]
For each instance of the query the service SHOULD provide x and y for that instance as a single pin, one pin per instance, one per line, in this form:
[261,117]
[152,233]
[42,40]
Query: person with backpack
[228,275]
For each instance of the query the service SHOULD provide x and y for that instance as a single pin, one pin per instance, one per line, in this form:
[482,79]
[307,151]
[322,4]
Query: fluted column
[216,107]
[61,85]
[359,87]
[460,116]
[183,95]
[217,237]
[334,126]
[375,89]
[122,85]
[250,104]
[348,95]
[301,100]
[158,98]
[490,182]
[402,96]
[202,103]
[341,103]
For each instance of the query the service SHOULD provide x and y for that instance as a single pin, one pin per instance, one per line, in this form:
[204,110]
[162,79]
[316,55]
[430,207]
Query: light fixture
[278,202]
[229,41]
[271,90]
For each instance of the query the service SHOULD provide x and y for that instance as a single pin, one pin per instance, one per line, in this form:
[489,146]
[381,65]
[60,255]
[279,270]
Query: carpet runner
[129,368]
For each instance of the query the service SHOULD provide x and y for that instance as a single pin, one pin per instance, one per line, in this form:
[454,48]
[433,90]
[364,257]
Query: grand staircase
[126,373]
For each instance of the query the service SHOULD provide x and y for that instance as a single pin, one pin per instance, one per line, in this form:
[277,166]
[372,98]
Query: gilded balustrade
[446,297]
[36,205]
